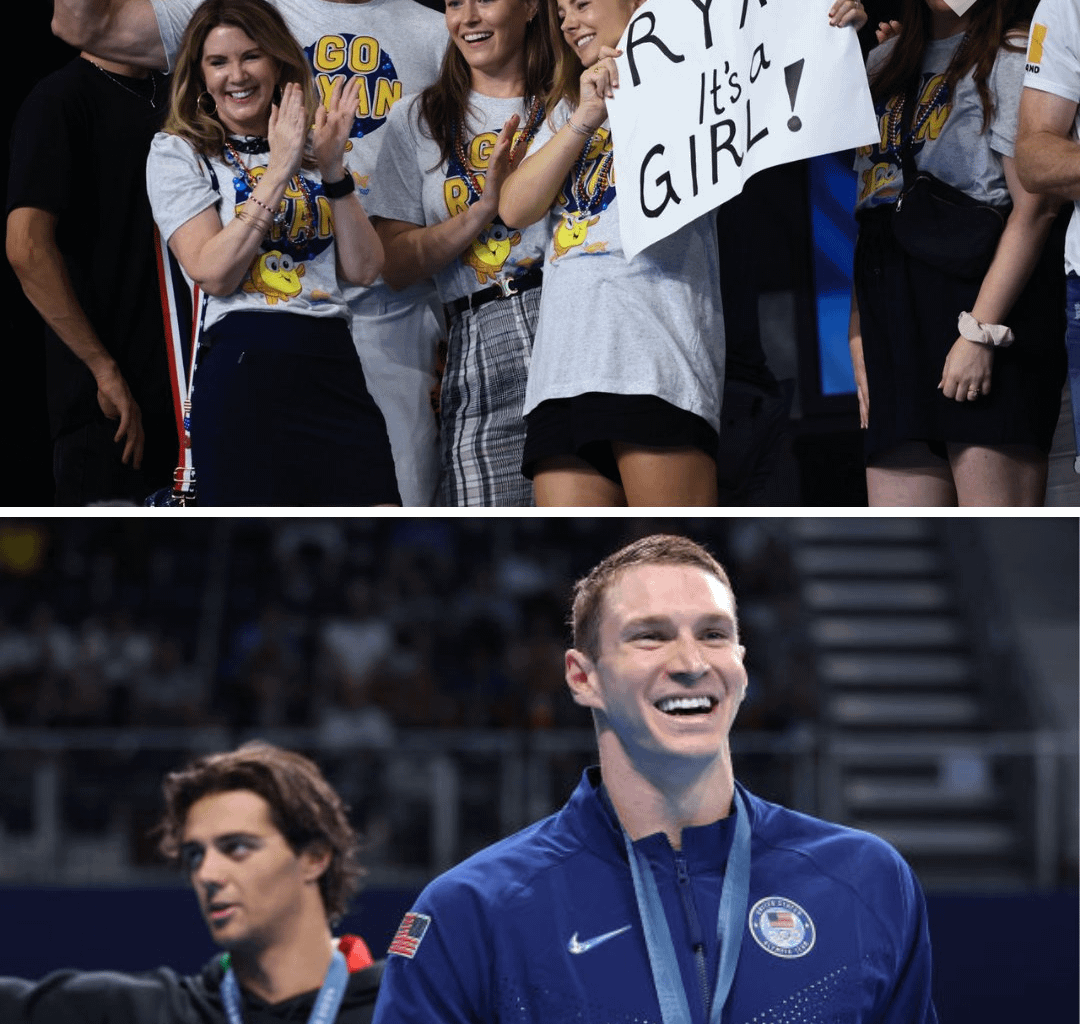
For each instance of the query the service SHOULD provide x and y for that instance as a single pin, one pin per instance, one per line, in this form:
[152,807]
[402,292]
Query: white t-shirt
[653,325]
[396,45]
[418,188]
[295,268]
[1053,65]
[951,143]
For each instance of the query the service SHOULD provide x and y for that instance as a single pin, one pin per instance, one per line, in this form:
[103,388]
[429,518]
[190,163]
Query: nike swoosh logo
[583,947]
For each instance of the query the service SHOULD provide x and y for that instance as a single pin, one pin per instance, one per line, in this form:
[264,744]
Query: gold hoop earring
[212,109]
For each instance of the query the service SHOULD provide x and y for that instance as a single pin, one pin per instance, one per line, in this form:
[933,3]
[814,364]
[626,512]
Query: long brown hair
[566,80]
[989,28]
[566,77]
[445,103]
[259,21]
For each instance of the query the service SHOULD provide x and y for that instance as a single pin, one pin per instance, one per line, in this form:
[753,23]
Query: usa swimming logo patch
[782,927]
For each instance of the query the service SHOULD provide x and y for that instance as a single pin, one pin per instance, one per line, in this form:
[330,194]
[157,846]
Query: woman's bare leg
[1012,475]
[675,477]
[910,475]
[568,480]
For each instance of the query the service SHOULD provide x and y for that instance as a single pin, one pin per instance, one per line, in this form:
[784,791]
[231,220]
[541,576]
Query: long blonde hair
[266,28]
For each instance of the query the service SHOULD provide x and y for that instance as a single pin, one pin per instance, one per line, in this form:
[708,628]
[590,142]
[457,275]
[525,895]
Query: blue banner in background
[998,959]
[833,229]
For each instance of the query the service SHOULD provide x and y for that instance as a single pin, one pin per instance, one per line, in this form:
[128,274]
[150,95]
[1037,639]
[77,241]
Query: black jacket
[164,997]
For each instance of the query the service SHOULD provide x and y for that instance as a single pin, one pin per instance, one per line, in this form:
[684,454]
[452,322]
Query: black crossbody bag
[938,224]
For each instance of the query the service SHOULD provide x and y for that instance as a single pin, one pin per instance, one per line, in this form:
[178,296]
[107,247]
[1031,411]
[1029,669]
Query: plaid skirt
[482,431]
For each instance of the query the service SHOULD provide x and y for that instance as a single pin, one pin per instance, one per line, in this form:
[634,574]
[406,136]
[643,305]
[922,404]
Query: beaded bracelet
[994,335]
[258,202]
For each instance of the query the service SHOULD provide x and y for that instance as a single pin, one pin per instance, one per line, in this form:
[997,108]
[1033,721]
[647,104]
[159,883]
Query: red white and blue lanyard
[730,922]
[327,1002]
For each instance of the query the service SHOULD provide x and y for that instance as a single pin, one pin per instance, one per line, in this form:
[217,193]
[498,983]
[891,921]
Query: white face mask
[960,7]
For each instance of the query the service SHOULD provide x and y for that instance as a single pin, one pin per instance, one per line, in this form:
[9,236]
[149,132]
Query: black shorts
[586,425]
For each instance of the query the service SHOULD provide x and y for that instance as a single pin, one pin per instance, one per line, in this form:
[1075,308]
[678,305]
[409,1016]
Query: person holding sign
[441,168]
[955,332]
[623,398]
[264,221]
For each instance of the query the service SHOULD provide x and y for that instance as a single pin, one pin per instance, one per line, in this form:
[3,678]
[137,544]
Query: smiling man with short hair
[664,892]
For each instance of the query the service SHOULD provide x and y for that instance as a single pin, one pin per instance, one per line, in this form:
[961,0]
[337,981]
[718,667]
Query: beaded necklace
[587,204]
[533,120]
[298,183]
[923,112]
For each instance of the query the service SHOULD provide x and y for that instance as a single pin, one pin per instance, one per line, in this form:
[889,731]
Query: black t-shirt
[78,150]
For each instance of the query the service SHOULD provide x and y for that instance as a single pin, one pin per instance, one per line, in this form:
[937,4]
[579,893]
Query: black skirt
[908,313]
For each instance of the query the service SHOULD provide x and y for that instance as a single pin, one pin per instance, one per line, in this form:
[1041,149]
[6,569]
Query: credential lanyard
[327,1002]
[730,919]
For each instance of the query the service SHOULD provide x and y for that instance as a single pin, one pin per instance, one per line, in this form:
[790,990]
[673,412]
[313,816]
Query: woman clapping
[263,216]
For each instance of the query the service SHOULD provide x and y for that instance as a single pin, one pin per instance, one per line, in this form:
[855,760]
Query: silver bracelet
[587,132]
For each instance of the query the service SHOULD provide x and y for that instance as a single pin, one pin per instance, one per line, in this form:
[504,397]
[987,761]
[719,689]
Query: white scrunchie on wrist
[995,335]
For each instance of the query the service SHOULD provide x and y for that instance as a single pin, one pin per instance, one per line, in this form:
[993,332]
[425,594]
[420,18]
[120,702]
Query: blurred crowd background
[915,677]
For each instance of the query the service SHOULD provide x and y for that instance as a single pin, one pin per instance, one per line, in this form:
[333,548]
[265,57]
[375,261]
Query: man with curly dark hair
[268,848]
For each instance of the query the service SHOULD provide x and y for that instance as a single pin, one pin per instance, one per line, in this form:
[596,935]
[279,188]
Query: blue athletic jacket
[543,927]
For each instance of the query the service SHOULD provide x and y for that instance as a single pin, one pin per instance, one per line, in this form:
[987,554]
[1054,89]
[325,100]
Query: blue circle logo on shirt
[337,58]
[782,927]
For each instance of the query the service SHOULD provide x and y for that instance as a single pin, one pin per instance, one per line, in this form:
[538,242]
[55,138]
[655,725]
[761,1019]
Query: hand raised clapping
[333,126]
[499,165]
[287,133]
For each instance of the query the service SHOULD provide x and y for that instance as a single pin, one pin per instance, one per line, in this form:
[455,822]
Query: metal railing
[433,797]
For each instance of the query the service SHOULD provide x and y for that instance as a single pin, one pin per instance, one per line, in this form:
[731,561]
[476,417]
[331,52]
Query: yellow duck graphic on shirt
[274,275]
[490,250]
[572,232]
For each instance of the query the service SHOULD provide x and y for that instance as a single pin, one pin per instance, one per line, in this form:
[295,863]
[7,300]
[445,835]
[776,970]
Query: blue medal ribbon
[327,1002]
[730,922]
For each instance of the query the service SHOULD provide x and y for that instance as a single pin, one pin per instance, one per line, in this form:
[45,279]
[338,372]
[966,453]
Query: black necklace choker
[250,143]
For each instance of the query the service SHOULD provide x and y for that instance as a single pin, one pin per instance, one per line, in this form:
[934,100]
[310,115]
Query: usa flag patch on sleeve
[409,935]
